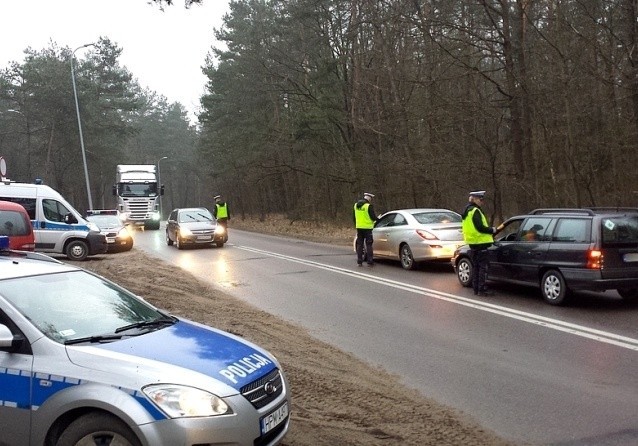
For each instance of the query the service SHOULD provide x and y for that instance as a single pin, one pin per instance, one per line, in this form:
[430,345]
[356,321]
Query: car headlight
[182,401]
[123,233]
[93,227]
[219,229]
[185,232]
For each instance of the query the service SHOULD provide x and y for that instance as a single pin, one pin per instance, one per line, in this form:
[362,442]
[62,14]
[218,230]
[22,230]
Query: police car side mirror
[8,341]
[70,219]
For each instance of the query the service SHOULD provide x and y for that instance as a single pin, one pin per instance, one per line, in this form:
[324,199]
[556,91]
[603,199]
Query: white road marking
[555,324]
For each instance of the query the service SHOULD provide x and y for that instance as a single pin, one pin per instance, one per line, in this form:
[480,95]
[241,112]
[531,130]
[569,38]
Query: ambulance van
[58,227]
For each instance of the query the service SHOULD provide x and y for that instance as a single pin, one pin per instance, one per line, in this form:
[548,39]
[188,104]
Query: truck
[138,195]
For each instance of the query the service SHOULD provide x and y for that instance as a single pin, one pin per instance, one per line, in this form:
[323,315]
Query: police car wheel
[629,294]
[220,244]
[169,242]
[77,250]
[97,429]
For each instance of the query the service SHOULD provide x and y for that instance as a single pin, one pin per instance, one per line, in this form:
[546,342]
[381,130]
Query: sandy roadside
[336,398]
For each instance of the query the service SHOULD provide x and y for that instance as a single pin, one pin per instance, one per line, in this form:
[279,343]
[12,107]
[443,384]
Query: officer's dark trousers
[364,236]
[480,263]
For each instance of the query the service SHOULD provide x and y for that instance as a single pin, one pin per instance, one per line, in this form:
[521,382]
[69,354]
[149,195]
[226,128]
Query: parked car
[417,235]
[118,236]
[193,226]
[564,250]
[16,224]
[84,361]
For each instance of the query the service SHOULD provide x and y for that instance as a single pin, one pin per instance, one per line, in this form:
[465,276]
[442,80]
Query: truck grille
[139,210]
[264,390]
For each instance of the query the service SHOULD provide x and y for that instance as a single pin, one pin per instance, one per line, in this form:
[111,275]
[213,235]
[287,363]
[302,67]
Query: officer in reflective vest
[222,214]
[364,218]
[479,235]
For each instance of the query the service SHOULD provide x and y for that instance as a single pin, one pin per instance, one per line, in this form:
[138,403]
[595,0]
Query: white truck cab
[58,227]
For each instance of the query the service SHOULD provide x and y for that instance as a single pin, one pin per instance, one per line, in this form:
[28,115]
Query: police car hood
[179,350]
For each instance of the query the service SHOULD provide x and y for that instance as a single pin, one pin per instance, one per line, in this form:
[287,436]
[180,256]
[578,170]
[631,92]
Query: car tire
[406,257]
[98,428]
[220,244]
[553,288]
[629,294]
[169,242]
[464,271]
[77,250]
[178,244]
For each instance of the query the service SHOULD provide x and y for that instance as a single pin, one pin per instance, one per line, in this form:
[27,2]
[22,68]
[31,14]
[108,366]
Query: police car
[84,361]
[110,223]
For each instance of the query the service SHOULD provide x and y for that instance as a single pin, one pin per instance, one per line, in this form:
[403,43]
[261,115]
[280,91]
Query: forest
[309,103]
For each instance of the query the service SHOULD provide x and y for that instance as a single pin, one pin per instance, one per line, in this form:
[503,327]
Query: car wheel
[169,242]
[406,257]
[77,250]
[97,428]
[553,288]
[630,294]
[464,271]
[178,244]
[220,244]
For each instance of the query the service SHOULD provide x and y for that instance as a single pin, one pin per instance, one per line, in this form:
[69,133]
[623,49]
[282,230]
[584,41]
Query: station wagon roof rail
[582,211]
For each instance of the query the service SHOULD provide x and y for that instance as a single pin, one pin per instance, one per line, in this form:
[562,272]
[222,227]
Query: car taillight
[425,235]
[594,259]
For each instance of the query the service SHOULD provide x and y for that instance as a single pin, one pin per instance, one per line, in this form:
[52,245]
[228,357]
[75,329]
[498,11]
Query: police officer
[222,213]
[364,218]
[479,235]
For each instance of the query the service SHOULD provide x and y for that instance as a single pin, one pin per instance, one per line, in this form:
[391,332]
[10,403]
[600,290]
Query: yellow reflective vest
[222,210]
[362,217]
[470,234]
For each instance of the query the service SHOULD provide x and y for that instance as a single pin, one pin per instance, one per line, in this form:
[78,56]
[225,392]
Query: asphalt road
[533,373]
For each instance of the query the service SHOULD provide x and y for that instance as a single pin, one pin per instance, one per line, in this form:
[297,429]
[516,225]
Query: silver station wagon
[86,362]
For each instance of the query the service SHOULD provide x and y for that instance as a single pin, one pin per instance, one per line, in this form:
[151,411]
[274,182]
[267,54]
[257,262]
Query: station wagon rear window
[621,230]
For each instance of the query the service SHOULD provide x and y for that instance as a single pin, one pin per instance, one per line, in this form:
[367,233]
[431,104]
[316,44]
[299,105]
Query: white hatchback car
[417,235]
[84,361]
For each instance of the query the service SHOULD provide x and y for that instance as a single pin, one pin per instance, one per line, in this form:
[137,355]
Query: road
[532,373]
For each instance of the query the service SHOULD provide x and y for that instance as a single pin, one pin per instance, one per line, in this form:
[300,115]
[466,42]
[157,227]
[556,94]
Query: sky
[164,51]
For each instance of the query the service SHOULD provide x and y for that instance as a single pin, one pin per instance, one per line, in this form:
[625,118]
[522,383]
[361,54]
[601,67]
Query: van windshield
[621,230]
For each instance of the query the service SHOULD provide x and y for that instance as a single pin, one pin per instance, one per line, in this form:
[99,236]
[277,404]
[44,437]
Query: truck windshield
[137,189]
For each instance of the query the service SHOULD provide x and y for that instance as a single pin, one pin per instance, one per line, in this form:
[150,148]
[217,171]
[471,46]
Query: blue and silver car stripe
[15,392]
[14,388]
[58,226]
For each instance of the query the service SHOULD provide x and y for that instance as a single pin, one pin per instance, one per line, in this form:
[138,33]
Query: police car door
[15,391]
[51,227]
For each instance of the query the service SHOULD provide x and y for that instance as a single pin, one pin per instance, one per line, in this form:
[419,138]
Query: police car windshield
[74,305]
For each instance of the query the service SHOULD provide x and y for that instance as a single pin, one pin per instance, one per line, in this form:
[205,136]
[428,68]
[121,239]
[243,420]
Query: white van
[58,227]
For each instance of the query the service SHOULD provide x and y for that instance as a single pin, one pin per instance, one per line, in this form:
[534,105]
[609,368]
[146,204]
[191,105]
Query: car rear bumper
[593,280]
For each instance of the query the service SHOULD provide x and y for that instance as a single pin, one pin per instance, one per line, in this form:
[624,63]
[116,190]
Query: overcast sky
[163,50]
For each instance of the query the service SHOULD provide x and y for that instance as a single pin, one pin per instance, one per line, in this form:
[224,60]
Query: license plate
[631,257]
[203,237]
[110,240]
[274,418]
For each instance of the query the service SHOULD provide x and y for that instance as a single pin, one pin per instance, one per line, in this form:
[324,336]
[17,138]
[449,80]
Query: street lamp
[77,109]
[159,185]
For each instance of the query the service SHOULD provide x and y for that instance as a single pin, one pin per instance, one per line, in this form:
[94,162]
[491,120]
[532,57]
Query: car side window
[574,230]
[387,220]
[534,229]
[173,215]
[26,203]
[54,210]
[399,220]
